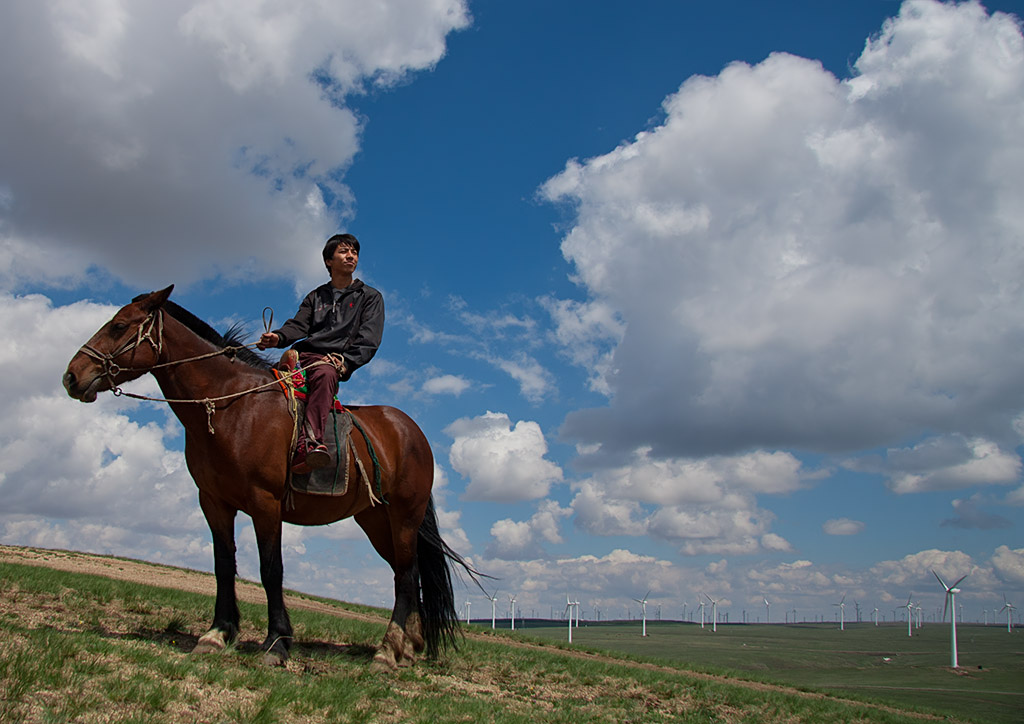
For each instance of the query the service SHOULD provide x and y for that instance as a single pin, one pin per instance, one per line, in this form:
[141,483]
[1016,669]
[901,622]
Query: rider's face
[345,260]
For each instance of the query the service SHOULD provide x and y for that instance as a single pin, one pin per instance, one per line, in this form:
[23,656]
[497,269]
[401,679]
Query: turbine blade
[940,580]
[958,580]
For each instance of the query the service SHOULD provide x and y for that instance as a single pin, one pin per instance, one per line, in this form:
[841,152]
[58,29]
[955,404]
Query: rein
[155,321]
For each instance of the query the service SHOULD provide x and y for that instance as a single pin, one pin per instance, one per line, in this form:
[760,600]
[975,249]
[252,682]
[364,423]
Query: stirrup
[317,456]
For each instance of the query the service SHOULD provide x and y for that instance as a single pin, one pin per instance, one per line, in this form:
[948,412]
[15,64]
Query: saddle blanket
[331,479]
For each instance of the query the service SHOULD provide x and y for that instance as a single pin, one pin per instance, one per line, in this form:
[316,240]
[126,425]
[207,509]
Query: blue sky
[697,298]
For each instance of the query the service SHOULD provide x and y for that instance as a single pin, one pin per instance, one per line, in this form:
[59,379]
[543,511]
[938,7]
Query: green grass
[90,649]
[880,662]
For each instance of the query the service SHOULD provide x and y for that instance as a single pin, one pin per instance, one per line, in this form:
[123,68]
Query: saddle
[332,479]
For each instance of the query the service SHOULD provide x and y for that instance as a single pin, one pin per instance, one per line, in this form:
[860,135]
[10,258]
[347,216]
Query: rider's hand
[268,339]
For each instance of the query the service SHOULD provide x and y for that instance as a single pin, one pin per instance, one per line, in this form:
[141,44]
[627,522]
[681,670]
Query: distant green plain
[864,660]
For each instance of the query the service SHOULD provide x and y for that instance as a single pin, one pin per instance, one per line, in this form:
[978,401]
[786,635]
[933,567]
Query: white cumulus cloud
[842,526]
[446,385]
[503,462]
[813,262]
[116,102]
[524,539]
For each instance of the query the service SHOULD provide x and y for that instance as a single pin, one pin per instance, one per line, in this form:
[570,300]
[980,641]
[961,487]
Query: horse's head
[123,349]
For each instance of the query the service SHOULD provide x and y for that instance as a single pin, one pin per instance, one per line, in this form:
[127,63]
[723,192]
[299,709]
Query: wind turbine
[568,609]
[857,604]
[643,606]
[468,604]
[876,615]
[714,612]
[842,612]
[512,603]
[951,592]
[494,603]
[701,607]
[910,613]
[1009,608]
[767,610]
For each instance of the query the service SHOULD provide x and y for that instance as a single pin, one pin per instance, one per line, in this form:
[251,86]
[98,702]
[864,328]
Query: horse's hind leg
[221,519]
[404,636]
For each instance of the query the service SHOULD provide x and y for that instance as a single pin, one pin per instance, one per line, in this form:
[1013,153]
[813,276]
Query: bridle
[150,329]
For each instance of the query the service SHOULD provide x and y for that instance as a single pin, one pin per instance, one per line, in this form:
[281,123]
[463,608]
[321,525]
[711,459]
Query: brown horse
[238,434]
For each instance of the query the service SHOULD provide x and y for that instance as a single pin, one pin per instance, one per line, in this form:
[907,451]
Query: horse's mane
[235,336]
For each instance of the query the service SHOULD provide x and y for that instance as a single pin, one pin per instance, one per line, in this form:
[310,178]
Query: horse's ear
[155,300]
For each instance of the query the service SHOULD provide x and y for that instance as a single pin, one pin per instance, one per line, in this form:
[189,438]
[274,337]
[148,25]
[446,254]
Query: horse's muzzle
[83,392]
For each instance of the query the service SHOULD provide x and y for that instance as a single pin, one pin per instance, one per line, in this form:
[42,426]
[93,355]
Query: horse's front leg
[221,519]
[267,524]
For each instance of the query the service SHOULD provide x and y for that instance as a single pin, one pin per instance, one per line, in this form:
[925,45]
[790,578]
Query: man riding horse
[243,463]
[336,331]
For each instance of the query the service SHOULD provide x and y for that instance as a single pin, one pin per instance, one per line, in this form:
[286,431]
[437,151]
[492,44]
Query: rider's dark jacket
[348,321]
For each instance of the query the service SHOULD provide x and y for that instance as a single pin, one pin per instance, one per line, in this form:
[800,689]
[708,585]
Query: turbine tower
[494,603]
[842,612]
[701,607]
[643,606]
[512,603]
[876,615]
[568,609]
[714,612]
[910,613]
[1009,608]
[468,604]
[951,592]
[767,610]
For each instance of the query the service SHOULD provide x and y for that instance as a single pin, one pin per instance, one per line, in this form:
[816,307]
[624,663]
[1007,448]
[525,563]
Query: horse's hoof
[210,643]
[273,658]
[384,661]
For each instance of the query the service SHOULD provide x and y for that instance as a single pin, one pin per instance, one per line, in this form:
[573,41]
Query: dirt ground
[154,574]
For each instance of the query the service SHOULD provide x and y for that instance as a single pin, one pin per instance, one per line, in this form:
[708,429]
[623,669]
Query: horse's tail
[437,605]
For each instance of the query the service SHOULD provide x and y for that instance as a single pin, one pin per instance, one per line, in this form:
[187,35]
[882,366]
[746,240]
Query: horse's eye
[118,327]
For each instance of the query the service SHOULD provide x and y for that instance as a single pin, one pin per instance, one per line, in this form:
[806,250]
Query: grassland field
[863,658]
[114,647]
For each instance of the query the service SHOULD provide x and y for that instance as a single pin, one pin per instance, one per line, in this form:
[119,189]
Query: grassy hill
[111,645]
